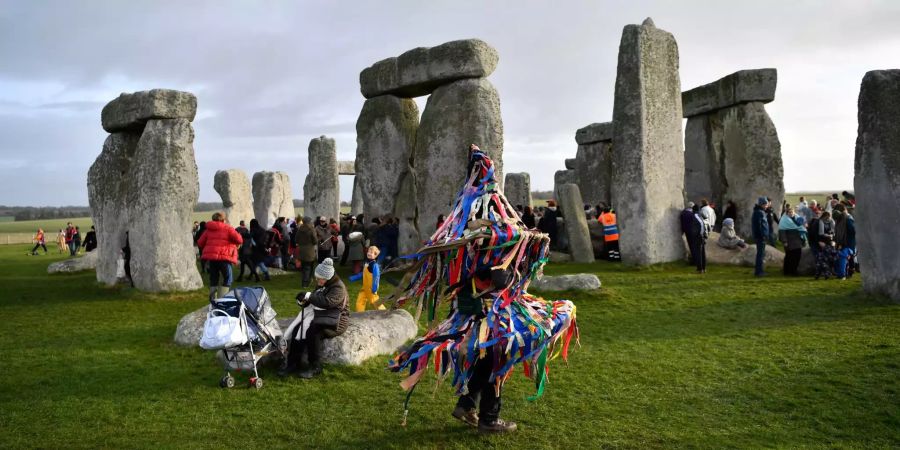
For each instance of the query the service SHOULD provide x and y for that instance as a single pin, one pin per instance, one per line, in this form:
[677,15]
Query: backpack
[812,232]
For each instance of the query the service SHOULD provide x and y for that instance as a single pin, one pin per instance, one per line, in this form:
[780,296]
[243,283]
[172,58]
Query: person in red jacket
[220,244]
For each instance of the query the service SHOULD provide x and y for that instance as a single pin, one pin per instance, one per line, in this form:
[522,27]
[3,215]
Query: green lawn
[667,359]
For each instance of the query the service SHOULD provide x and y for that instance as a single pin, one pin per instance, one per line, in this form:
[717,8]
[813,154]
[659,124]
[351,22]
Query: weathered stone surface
[752,160]
[597,240]
[86,262]
[421,70]
[807,264]
[346,167]
[356,201]
[517,189]
[561,177]
[234,188]
[595,132]
[574,282]
[743,86]
[877,182]
[648,153]
[558,257]
[703,159]
[576,226]
[456,115]
[593,172]
[571,163]
[272,197]
[322,188]
[129,112]
[109,180]
[385,141]
[190,328]
[165,190]
[737,257]
[409,239]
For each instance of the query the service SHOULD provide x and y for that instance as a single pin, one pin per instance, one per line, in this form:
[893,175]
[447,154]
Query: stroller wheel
[256,382]
[227,381]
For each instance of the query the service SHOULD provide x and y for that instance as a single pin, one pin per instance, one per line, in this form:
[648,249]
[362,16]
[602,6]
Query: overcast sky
[270,76]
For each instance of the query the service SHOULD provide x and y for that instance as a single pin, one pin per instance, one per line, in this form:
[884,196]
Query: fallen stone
[595,132]
[574,282]
[385,141]
[190,328]
[648,154]
[129,112]
[422,70]
[86,262]
[517,189]
[322,188]
[877,182]
[576,226]
[234,188]
[456,115]
[165,190]
[743,86]
[272,197]
[737,257]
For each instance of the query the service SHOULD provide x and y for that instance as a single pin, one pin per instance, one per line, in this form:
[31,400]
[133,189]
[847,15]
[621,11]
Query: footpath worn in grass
[668,359]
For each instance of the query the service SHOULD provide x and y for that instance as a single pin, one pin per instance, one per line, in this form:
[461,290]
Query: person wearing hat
[547,224]
[328,307]
[760,225]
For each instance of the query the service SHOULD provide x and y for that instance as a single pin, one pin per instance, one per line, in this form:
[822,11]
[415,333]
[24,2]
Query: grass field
[667,359]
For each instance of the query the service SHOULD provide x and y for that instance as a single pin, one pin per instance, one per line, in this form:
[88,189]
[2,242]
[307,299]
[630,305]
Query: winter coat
[323,234]
[687,222]
[333,299]
[260,252]
[356,251]
[759,223]
[307,242]
[90,241]
[728,238]
[220,242]
[548,223]
[528,220]
[709,216]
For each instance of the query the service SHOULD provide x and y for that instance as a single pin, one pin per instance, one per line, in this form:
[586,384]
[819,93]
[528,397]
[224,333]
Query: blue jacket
[760,224]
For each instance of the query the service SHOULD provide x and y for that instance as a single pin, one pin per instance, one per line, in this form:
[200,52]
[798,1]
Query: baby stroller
[242,326]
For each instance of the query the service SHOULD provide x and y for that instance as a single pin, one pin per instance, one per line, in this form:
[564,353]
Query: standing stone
[166,187]
[562,177]
[593,171]
[234,188]
[703,159]
[456,115]
[356,201]
[576,225]
[322,188]
[385,140]
[877,182]
[648,155]
[272,197]
[108,183]
[409,240]
[518,189]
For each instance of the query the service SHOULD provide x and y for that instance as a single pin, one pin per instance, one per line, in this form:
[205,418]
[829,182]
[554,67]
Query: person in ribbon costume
[480,261]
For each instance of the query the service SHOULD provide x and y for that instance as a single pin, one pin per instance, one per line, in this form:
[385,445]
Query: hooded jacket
[220,242]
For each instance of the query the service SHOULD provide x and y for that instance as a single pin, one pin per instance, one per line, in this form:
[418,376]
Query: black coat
[333,298]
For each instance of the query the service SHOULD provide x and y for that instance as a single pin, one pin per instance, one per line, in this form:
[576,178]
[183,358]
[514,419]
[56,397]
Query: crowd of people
[827,228]
[68,241]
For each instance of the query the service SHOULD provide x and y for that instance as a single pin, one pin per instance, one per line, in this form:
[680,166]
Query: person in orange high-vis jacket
[610,234]
[39,242]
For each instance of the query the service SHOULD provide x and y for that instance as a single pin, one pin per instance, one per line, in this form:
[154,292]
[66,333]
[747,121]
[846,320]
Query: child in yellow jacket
[370,276]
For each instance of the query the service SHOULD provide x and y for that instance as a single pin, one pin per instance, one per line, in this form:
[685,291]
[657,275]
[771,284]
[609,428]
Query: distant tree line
[541,195]
[44,212]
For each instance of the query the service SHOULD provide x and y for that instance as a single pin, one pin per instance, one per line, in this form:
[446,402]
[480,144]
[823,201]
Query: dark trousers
[481,391]
[791,261]
[612,250]
[334,247]
[324,253]
[306,271]
[250,267]
[217,270]
[698,251]
[285,256]
[34,250]
[310,345]
[760,257]
[692,246]
[345,253]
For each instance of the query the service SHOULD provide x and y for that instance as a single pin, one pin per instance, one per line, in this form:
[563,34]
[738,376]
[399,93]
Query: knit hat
[325,270]
[762,201]
[729,222]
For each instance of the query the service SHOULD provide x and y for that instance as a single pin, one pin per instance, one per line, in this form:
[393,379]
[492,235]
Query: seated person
[323,314]
[728,238]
